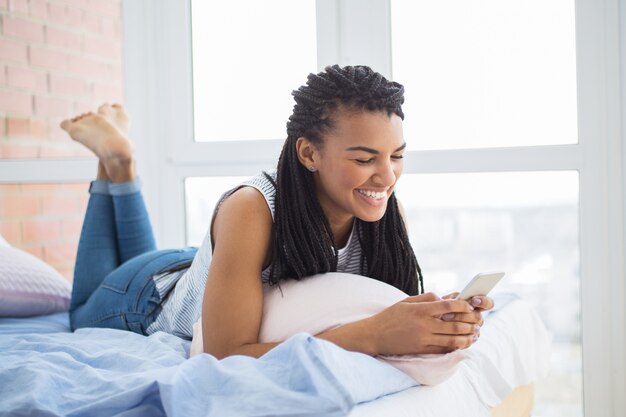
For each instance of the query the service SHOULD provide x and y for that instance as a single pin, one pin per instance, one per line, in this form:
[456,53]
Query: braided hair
[303,242]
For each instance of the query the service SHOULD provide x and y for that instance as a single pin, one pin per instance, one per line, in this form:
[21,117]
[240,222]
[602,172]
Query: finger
[438,308]
[474,317]
[423,298]
[482,301]
[453,342]
[455,328]
[451,296]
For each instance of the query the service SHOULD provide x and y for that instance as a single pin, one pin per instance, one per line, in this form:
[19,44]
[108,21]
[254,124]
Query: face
[357,165]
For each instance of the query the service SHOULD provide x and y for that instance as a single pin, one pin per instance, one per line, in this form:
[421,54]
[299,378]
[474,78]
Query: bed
[46,370]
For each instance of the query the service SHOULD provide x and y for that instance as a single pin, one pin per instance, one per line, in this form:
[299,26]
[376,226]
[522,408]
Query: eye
[365,161]
[397,157]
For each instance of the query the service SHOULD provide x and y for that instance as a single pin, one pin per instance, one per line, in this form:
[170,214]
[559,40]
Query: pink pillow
[30,287]
[325,301]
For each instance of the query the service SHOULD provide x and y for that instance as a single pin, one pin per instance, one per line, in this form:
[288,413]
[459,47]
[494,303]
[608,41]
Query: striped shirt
[183,305]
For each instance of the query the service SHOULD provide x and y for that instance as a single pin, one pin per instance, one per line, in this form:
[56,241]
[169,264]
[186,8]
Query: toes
[65,124]
[80,116]
[119,109]
[104,108]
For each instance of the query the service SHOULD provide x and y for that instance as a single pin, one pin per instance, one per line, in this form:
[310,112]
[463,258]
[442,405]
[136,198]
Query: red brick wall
[44,220]
[58,58]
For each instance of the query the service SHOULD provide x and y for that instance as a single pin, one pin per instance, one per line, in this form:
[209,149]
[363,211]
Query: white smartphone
[481,284]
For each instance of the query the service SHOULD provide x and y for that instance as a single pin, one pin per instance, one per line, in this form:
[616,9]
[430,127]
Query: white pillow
[325,301]
[30,287]
[3,243]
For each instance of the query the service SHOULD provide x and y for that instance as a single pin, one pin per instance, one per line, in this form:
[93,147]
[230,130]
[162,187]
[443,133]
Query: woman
[330,206]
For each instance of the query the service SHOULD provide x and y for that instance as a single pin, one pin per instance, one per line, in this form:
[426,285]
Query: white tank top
[183,306]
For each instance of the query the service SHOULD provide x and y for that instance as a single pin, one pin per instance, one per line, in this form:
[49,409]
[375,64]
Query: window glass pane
[525,224]
[201,196]
[247,58]
[486,73]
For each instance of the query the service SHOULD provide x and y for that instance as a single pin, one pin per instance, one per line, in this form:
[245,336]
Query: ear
[308,154]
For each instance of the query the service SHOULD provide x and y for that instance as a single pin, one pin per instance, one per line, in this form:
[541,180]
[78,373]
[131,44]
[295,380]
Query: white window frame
[157,52]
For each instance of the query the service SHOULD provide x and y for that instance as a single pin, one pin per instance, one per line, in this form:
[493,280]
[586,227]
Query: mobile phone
[481,284]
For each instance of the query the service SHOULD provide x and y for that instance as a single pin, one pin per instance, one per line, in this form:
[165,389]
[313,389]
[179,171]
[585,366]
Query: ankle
[121,169]
[102,173]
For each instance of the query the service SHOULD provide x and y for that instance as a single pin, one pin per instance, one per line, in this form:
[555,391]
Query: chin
[371,217]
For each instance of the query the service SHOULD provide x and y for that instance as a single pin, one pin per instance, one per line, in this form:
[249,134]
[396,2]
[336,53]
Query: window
[201,196]
[562,130]
[247,58]
[503,71]
[494,74]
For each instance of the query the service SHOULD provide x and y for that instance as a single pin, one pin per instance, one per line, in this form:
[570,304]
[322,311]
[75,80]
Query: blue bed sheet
[45,370]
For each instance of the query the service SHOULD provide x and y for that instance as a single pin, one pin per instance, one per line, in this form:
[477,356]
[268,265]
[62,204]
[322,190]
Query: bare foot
[101,134]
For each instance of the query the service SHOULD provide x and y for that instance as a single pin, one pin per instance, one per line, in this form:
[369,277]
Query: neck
[341,230]
[340,221]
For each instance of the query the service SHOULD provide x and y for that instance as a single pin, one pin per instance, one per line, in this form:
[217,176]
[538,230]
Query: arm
[233,298]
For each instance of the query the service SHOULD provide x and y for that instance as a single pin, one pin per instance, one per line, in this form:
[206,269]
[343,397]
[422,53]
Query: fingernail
[476,301]
[447,316]
[474,338]
[476,327]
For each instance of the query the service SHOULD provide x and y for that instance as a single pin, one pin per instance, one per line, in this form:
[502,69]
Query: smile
[373,194]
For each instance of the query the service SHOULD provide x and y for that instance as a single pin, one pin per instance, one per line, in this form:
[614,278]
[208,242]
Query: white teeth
[373,194]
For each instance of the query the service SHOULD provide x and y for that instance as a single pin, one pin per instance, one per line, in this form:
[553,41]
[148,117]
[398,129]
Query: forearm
[356,337]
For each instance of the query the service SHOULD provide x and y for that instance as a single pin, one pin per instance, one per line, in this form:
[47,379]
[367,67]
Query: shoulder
[243,214]
[246,195]
[244,205]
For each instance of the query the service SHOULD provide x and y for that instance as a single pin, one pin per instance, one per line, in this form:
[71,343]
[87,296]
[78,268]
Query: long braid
[303,242]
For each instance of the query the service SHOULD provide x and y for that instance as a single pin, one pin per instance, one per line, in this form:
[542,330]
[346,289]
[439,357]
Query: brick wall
[44,220]
[58,58]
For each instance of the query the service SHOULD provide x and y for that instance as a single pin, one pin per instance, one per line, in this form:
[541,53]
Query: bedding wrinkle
[99,372]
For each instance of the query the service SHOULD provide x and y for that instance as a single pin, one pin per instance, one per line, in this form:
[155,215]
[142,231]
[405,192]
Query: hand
[414,325]
[480,303]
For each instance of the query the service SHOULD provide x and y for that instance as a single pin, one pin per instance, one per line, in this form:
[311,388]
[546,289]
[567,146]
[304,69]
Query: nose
[385,175]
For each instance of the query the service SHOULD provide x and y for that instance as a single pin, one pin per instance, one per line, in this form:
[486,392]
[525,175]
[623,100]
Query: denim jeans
[116,260]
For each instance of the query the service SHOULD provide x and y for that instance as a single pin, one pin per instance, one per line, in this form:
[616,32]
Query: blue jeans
[116,260]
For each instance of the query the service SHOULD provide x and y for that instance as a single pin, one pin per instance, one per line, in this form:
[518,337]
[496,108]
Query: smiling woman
[330,206]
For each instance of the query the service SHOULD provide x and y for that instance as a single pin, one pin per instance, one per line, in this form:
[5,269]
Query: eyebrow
[370,150]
